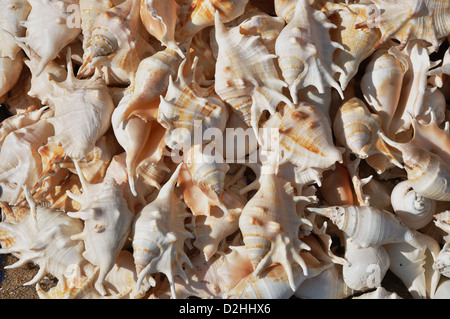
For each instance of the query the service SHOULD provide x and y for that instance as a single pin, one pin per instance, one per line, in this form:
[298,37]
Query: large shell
[159,233]
[414,210]
[107,222]
[160,19]
[305,51]
[271,232]
[78,128]
[304,138]
[49,17]
[115,41]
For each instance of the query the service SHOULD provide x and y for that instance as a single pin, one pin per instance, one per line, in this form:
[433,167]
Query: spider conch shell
[49,245]
[207,171]
[410,20]
[49,17]
[271,232]
[305,138]
[83,111]
[356,128]
[274,282]
[353,221]
[158,233]
[187,110]
[116,42]
[426,163]
[381,83]
[414,210]
[195,15]
[357,44]
[160,19]
[107,222]
[305,51]
[246,70]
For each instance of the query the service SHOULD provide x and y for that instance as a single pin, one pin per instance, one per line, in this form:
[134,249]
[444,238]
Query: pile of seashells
[119,178]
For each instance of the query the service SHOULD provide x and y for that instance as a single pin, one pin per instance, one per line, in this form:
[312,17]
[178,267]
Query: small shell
[13,13]
[115,41]
[336,187]
[49,245]
[159,233]
[270,232]
[246,70]
[107,222]
[381,83]
[368,226]
[305,51]
[414,210]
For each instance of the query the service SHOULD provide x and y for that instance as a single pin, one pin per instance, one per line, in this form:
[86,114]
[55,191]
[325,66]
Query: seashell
[252,79]
[336,187]
[10,70]
[258,23]
[89,11]
[210,230]
[158,234]
[381,83]
[434,101]
[413,266]
[49,245]
[11,16]
[107,222]
[273,282]
[329,284]
[78,129]
[115,41]
[160,20]
[427,172]
[421,20]
[379,194]
[285,9]
[379,293]
[411,101]
[442,291]
[356,128]
[368,266]
[119,283]
[49,17]
[20,162]
[414,210]
[352,220]
[270,233]
[305,51]
[305,138]
[18,100]
[195,15]
[207,171]
[187,110]
[204,47]
[357,44]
